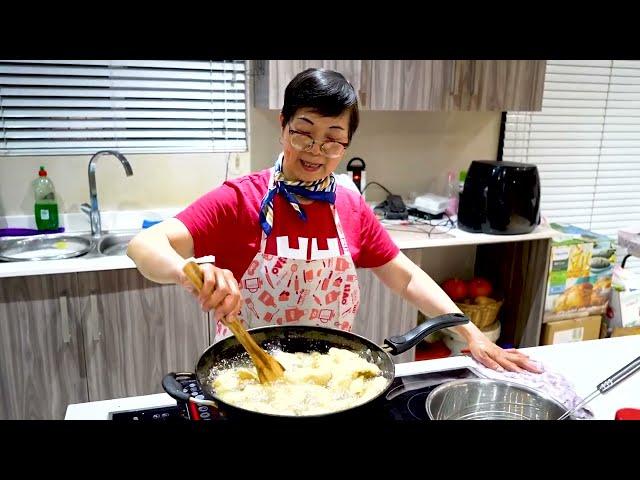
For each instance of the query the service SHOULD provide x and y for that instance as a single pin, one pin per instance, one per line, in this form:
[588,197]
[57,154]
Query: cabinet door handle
[363,98]
[473,78]
[93,317]
[452,83]
[64,318]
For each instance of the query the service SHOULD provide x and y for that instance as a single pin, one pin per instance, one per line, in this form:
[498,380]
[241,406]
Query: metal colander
[487,399]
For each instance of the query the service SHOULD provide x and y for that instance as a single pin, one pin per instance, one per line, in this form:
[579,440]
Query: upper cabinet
[419,85]
[273,76]
[513,85]
[405,84]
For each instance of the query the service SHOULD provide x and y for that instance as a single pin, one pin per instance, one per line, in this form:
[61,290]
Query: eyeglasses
[304,142]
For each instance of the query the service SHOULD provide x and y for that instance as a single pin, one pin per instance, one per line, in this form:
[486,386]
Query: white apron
[285,290]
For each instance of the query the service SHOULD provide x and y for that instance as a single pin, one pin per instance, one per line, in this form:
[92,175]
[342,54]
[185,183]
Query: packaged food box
[580,270]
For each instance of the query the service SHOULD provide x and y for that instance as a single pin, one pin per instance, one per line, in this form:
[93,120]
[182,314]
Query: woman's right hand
[220,291]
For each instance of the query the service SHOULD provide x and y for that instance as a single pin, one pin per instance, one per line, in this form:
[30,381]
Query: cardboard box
[621,332]
[580,270]
[571,330]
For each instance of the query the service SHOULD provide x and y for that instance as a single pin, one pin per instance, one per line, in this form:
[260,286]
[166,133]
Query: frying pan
[228,353]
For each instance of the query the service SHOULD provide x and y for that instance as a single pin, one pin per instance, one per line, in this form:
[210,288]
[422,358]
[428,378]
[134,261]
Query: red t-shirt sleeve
[376,246]
[209,217]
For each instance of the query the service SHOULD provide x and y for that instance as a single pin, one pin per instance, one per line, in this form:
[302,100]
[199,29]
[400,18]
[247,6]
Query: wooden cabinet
[453,85]
[273,76]
[74,338]
[383,313]
[137,331]
[419,85]
[503,85]
[521,270]
[405,84]
[42,367]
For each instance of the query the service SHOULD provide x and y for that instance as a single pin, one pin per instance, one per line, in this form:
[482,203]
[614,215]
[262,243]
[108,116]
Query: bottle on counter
[452,195]
[46,206]
[462,176]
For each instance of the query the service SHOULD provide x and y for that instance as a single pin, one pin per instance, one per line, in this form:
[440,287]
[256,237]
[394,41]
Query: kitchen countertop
[584,364]
[72,265]
[405,236]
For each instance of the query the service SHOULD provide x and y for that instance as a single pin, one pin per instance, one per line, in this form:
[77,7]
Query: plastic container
[628,414]
[46,206]
[150,218]
[429,351]
[452,195]
[149,223]
[456,343]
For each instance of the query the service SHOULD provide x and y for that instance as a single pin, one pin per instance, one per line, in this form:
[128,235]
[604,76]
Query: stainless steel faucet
[92,209]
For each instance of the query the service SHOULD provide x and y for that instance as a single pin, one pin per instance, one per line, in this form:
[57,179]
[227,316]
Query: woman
[287,240]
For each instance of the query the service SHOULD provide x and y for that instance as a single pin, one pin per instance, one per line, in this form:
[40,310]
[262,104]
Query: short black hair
[325,91]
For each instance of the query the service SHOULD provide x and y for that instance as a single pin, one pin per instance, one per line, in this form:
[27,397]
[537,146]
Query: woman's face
[312,164]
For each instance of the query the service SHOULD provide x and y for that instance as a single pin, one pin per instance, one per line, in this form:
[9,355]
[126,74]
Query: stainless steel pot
[488,399]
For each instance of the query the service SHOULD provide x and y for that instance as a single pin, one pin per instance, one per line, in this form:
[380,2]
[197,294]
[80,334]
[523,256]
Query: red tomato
[455,288]
[480,287]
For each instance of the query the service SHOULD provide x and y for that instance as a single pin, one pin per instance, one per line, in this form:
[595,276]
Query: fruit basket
[482,313]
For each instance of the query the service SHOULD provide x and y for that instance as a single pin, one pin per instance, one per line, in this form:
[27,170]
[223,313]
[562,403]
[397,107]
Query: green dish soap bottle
[46,206]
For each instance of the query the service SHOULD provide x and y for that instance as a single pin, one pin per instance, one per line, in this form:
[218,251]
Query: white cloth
[552,383]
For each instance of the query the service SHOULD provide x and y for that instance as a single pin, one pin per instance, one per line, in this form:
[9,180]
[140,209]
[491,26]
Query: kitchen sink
[115,243]
[63,246]
[45,247]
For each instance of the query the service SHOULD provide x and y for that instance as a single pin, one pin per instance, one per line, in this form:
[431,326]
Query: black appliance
[393,208]
[357,172]
[500,198]
[405,400]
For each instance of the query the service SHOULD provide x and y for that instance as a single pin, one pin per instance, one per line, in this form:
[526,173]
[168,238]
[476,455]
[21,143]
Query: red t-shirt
[225,223]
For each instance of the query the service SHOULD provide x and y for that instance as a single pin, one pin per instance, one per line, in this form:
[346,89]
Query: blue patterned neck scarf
[323,189]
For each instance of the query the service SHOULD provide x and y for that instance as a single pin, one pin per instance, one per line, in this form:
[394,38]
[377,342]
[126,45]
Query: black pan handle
[174,390]
[401,343]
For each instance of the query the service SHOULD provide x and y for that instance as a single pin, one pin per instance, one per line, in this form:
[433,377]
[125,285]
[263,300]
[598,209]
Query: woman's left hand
[491,355]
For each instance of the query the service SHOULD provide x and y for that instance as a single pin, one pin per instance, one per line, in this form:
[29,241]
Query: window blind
[585,142]
[50,107]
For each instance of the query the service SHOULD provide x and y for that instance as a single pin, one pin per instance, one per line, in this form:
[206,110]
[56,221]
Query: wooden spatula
[269,369]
